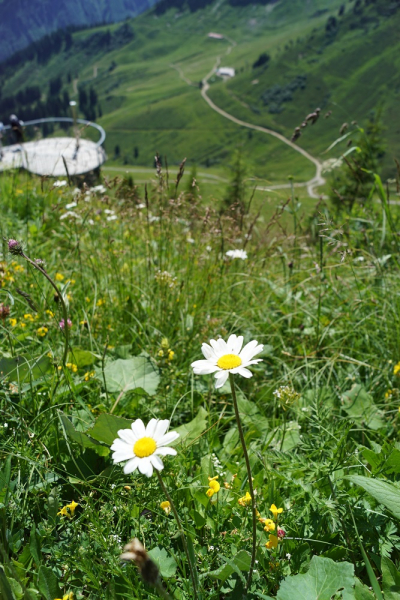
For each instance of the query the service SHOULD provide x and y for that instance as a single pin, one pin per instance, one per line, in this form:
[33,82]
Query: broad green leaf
[20,368]
[106,428]
[48,584]
[16,588]
[130,374]
[360,406]
[81,358]
[323,579]
[361,592]
[385,493]
[241,562]
[166,564]
[82,438]
[192,430]
[390,580]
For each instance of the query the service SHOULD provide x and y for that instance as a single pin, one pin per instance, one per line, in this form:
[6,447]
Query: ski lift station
[54,156]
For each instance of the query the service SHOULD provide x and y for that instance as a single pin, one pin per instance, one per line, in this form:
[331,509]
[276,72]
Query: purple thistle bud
[14,247]
[4,311]
[62,323]
[281,533]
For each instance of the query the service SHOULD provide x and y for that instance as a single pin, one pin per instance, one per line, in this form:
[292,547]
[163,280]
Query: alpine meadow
[200,300]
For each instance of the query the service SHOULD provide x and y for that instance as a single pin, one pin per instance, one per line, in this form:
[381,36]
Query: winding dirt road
[312,184]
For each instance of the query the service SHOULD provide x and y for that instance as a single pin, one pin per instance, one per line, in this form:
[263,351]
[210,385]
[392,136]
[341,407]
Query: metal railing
[65,120]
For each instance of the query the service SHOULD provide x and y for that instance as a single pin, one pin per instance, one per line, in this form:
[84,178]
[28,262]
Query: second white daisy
[223,358]
[142,446]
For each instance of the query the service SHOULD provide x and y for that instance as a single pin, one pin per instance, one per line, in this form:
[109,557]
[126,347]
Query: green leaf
[192,430]
[361,592]
[48,584]
[82,438]
[20,368]
[130,374]
[106,428]
[360,406]
[241,562]
[5,588]
[166,564]
[82,358]
[52,505]
[385,493]
[390,580]
[34,546]
[323,579]
[16,588]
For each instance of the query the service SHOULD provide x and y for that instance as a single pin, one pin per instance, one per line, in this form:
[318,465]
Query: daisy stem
[253,500]
[181,531]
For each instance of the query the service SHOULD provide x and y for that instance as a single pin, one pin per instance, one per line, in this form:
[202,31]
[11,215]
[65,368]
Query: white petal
[247,363]
[138,428]
[231,343]
[222,347]
[214,344]
[223,376]
[157,462]
[127,435]
[168,438]
[239,343]
[166,450]
[151,427]
[121,445]
[245,372]
[162,427]
[204,367]
[131,465]
[250,350]
[120,455]
[207,351]
[145,466]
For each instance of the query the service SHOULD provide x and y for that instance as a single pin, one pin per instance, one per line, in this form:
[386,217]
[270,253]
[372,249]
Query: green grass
[321,295]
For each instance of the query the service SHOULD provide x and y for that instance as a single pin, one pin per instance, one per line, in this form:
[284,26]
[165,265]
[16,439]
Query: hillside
[142,82]
[23,22]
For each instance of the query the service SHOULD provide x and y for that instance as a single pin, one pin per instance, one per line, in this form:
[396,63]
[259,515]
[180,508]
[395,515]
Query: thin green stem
[181,531]
[64,306]
[253,500]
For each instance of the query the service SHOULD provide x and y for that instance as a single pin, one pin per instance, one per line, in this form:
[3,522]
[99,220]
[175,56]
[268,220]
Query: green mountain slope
[146,91]
[22,21]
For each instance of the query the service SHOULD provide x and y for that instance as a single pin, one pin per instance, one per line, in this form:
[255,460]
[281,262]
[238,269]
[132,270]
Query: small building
[226,72]
[215,36]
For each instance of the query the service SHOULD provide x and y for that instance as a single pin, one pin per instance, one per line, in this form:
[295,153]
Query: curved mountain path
[312,184]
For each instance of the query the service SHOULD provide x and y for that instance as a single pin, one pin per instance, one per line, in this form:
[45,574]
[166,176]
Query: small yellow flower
[63,512]
[23,324]
[71,366]
[171,354]
[28,317]
[72,507]
[13,322]
[275,511]
[388,394]
[269,525]
[161,353]
[272,543]
[166,506]
[71,281]
[214,486]
[246,500]
[42,331]
[50,313]
[59,277]
[100,302]
[89,375]
[87,299]
[69,596]
[396,369]
[164,343]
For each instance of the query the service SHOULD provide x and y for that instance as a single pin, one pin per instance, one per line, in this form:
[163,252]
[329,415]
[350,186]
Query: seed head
[135,552]
[4,311]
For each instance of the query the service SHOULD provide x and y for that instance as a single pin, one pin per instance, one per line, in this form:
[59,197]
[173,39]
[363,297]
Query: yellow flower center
[144,447]
[229,361]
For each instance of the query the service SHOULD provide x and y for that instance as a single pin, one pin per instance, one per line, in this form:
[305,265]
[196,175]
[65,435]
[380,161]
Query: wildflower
[59,277]
[41,332]
[161,353]
[73,367]
[164,343]
[4,311]
[237,254]
[166,506]
[281,533]
[286,395]
[28,317]
[63,512]
[396,369]
[100,302]
[59,183]
[269,525]
[272,543]
[14,247]
[171,355]
[388,394]
[69,596]
[62,323]
[246,500]
[72,507]
[70,205]
[135,552]
[163,277]
[88,375]
[275,511]
[50,313]
[213,486]
[142,446]
[227,357]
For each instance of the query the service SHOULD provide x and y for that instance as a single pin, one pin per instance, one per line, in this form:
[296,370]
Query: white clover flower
[108,211]
[112,218]
[227,357]
[70,205]
[59,184]
[100,189]
[142,446]
[237,254]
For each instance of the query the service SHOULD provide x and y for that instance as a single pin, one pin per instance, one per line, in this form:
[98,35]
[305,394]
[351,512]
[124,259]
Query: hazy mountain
[25,21]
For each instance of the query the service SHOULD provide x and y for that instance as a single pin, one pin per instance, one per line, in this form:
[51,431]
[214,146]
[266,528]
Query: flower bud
[14,247]
[136,552]
[4,312]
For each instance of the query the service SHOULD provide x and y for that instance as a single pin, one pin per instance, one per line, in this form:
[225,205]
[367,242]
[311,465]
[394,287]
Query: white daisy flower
[223,358]
[237,254]
[142,446]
